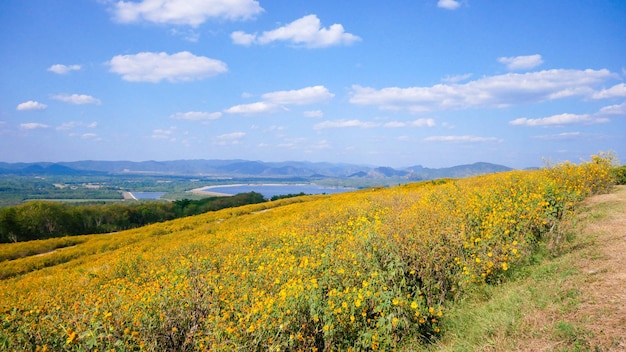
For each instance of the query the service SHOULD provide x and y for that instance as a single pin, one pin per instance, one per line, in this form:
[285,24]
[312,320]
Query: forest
[35,220]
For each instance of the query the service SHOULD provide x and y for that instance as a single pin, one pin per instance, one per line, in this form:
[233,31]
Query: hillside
[373,269]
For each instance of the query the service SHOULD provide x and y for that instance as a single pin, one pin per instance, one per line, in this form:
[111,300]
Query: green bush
[620,175]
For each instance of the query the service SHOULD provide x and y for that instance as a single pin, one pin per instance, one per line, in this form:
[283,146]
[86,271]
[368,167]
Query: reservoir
[270,190]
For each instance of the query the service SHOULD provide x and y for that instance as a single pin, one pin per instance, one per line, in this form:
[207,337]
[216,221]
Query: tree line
[45,219]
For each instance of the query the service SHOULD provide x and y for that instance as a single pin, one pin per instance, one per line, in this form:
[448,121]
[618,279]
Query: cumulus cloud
[31,105]
[495,91]
[345,123]
[196,115]
[229,138]
[76,99]
[75,124]
[164,134]
[89,136]
[422,123]
[155,67]
[314,113]
[556,120]
[462,139]
[184,12]
[618,90]
[191,35]
[560,136]
[613,110]
[448,4]
[276,101]
[527,62]
[243,38]
[304,96]
[63,69]
[456,78]
[253,108]
[414,123]
[32,125]
[306,31]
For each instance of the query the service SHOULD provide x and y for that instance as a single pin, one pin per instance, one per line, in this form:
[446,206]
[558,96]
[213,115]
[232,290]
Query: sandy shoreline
[206,190]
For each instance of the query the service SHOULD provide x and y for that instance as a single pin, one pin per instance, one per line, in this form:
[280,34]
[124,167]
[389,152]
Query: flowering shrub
[358,270]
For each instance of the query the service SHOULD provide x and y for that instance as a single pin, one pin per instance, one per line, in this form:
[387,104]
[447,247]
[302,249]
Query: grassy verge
[542,307]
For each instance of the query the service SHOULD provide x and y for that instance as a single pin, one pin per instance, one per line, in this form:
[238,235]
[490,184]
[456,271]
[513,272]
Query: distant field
[69,200]
[366,270]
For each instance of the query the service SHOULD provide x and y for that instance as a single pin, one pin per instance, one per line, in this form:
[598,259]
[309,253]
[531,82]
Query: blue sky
[395,83]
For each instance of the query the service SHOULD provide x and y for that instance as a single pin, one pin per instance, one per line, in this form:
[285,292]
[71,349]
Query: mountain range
[247,168]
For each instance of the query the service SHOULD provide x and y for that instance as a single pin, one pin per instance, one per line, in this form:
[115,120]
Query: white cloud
[89,136]
[63,69]
[184,12]
[448,4]
[461,139]
[618,90]
[457,78]
[304,96]
[277,101]
[74,124]
[415,123]
[394,124]
[76,99]
[164,134]
[253,108]
[613,110]
[31,105]
[243,38]
[306,31]
[32,125]
[423,123]
[155,67]
[527,62]
[494,91]
[196,115]
[314,113]
[556,120]
[189,35]
[229,138]
[345,123]
[560,136]
[321,145]
[233,135]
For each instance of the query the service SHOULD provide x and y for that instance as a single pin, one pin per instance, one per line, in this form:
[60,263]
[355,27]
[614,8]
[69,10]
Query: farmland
[365,270]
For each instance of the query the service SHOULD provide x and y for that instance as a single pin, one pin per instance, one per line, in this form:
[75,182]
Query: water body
[147,195]
[268,191]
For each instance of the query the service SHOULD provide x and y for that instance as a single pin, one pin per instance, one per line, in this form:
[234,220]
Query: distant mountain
[247,168]
[381,172]
[43,169]
[480,168]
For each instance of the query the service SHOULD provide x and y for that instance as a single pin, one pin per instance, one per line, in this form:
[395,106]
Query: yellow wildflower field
[360,270]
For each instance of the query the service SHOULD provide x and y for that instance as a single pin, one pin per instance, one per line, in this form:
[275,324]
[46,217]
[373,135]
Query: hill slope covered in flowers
[363,270]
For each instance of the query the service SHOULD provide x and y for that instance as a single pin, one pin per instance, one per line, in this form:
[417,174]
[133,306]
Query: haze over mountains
[246,168]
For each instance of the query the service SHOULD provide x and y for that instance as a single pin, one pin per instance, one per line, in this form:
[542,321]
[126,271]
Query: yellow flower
[414,305]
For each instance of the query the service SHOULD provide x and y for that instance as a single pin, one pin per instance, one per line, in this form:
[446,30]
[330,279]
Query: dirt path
[602,308]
